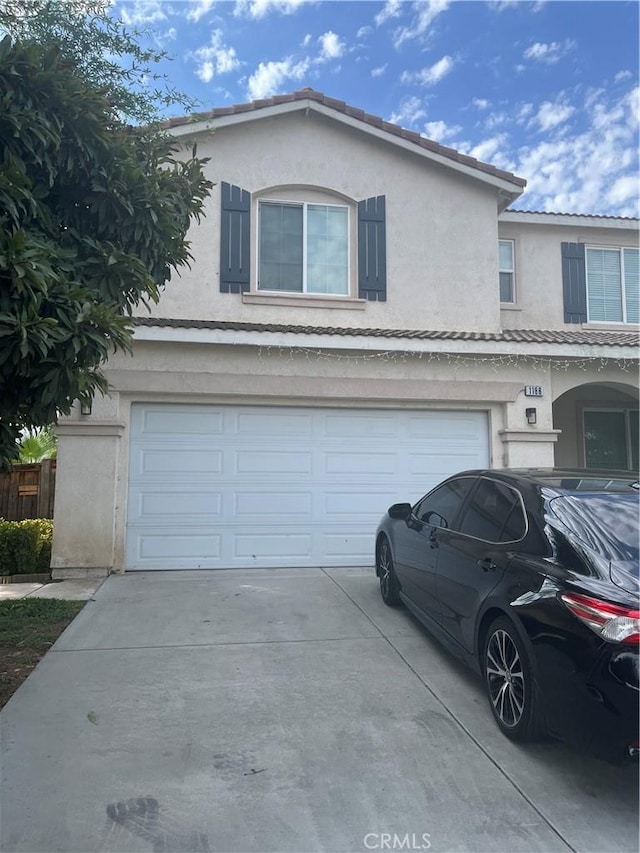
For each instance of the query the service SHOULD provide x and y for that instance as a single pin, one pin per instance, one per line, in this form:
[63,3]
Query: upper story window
[303,248]
[613,285]
[319,246]
[506,252]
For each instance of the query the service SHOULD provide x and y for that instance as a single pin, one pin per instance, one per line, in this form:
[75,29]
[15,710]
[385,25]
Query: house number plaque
[533,390]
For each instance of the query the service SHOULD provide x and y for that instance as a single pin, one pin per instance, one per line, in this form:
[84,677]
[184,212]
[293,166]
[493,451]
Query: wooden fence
[27,491]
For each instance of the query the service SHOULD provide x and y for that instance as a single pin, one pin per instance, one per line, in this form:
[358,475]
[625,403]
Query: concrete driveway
[284,710]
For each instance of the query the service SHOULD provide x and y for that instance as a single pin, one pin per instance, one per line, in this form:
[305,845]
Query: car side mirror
[435,519]
[402,511]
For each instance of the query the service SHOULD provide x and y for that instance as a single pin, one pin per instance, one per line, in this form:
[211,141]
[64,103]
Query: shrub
[25,546]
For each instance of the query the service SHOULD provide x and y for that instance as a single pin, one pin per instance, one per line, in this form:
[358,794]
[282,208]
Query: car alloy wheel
[389,586]
[505,678]
[509,682]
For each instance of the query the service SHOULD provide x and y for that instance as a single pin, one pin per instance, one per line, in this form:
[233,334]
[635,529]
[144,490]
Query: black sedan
[531,577]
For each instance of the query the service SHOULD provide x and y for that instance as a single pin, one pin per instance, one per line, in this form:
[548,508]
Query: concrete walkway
[282,710]
[68,590]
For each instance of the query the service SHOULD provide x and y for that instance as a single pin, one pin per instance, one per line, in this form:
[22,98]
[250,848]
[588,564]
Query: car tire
[389,586]
[509,680]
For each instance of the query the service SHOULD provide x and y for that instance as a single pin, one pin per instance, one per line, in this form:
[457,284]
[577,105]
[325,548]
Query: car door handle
[433,540]
[487,565]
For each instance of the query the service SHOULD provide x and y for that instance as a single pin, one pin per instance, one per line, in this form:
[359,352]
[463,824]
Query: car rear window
[607,523]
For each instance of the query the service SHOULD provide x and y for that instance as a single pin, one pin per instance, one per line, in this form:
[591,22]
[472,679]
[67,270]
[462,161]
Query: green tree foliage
[38,444]
[93,220]
[103,51]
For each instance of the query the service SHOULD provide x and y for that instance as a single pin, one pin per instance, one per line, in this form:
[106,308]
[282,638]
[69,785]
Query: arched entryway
[599,423]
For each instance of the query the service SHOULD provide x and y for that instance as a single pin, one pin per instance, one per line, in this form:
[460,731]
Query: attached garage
[258,486]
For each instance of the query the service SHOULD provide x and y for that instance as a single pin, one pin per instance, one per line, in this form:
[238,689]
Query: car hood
[625,575]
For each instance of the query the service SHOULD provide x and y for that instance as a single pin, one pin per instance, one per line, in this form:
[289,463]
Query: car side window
[440,507]
[495,514]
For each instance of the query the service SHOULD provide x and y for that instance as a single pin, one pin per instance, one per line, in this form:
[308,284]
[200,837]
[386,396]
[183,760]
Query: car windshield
[607,523]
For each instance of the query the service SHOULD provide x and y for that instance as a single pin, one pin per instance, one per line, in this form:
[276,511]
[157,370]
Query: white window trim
[304,293]
[512,271]
[624,410]
[620,250]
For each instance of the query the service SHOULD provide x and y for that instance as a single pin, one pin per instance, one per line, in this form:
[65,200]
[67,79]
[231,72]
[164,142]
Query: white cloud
[306,41]
[269,76]
[169,35]
[391,9]
[625,189]
[524,111]
[594,171]
[552,115]
[140,12]
[205,71]
[549,53]
[427,12]
[199,8]
[431,75]
[489,150]
[379,71]
[330,46]
[363,32]
[215,58]
[501,5]
[440,130]
[409,112]
[623,75]
[260,8]
[496,119]
[480,103]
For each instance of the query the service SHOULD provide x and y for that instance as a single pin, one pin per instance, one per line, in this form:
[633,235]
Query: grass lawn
[28,629]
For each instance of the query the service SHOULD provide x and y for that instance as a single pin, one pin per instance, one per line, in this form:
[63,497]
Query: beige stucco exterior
[94,450]
[442,274]
[538,272]
[441,227]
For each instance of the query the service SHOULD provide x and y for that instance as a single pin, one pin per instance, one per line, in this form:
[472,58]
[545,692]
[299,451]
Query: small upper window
[506,270]
[303,248]
[613,285]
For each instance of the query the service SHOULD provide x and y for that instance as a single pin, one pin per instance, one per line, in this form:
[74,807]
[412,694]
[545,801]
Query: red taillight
[612,622]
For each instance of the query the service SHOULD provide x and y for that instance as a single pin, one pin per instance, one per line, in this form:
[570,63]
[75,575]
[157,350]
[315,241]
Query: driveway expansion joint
[215,645]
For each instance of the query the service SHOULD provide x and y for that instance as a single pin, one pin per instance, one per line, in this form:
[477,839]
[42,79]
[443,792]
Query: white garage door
[242,486]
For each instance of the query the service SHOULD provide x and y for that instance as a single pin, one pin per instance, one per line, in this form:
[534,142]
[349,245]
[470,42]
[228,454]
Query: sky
[547,89]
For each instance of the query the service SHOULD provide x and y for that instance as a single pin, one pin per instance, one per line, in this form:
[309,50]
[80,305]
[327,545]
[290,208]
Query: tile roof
[532,336]
[583,215]
[351,112]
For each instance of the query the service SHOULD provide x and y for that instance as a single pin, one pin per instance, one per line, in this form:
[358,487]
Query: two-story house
[364,317]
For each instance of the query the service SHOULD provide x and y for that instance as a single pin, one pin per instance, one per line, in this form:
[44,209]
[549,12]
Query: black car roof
[564,481]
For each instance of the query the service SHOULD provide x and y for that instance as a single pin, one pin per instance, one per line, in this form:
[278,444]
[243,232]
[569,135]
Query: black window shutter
[234,239]
[574,283]
[372,249]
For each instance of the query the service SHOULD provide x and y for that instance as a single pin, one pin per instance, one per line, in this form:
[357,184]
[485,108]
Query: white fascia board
[569,220]
[513,190]
[364,343]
